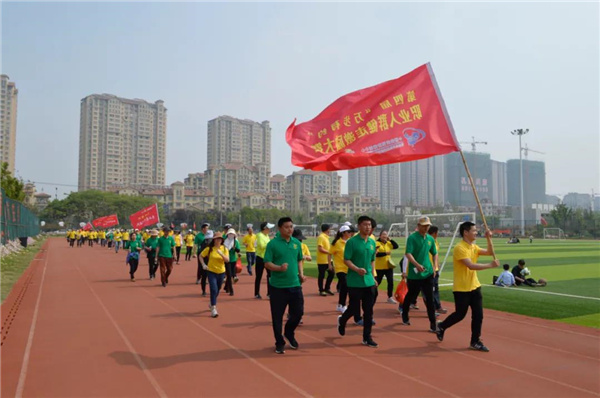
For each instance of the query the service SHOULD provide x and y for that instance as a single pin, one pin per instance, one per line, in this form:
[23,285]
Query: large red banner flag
[145,217]
[106,221]
[396,121]
[88,227]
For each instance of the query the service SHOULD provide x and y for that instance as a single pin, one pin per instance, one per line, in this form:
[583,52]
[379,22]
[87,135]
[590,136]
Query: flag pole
[489,239]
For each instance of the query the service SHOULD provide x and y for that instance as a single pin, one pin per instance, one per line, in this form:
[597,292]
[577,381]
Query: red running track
[75,326]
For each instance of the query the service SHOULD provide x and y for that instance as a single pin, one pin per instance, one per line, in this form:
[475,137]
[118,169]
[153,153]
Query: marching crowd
[356,257]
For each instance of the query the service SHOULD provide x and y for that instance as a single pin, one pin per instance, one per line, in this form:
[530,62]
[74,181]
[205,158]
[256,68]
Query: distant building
[382,182]
[578,200]
[41,200]
[277,184]
[596,202]
[499,188]
[422,182]
[8,122]
[310,183]
[195,181]
[173,197]
[552,199]
[348,205]
[458,188]
[228,181]
[121,142]
[534,182]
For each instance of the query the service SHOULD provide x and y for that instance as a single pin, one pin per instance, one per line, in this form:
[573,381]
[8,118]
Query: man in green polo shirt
[200,243]
[283,257]
[165,247]
[420,275]
[359,257]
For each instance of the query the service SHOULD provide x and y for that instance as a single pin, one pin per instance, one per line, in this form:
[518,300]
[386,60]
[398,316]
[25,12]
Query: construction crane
[526,150]
[474,143]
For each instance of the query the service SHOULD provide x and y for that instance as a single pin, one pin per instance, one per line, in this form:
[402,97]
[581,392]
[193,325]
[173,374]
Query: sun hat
[218,235]
[231,231]
[154,232]
[424,221]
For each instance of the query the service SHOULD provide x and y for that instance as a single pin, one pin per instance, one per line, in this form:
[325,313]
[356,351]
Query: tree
[13,187]
[561,215]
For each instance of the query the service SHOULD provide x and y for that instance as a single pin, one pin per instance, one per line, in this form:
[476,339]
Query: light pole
[521,133]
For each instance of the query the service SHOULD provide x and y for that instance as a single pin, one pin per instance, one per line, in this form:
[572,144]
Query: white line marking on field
[542,292]
[138,359]
[25,364]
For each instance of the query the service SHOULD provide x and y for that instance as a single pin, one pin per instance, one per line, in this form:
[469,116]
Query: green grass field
[13,266]
[572,268]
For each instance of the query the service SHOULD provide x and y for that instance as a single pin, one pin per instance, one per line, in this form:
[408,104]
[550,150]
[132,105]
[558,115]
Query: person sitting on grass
[521,274]
[506,278]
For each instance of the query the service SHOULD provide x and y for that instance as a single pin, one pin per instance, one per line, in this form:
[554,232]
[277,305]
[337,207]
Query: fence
[16,220]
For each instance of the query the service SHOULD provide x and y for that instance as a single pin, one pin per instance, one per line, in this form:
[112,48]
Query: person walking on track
[262,239]
[178,243]
[133,257]
[359,256]
[233,246]
[189,245]
[467,289]
[284,258]
[200,243]
[250,242]
[324,261]
[217,255]
[166,245]
[384,265]
[151,245]
[341,269]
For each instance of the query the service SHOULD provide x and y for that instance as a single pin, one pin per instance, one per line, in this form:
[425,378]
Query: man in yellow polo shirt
[250,242]
[467,289]
[324,261]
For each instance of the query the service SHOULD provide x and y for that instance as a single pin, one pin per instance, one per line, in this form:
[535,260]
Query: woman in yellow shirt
[341,269]
[189,245]
[217,255]
[384,265]
[178,242]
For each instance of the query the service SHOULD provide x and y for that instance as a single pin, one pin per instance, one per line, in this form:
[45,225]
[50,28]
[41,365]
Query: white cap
[344,228]
[269,225]
[231,231]
[347,223]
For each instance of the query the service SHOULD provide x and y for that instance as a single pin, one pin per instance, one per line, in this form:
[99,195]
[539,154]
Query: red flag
[194,226]
[543,221]
[106,221]
[88,227]
[145,217]
[396,121]
[172,226]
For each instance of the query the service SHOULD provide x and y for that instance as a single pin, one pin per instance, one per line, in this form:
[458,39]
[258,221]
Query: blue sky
[500,66]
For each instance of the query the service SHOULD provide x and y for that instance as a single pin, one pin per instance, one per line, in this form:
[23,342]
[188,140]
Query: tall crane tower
[526,149]
[474,143]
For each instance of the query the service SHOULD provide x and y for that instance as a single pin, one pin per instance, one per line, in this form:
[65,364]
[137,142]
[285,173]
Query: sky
[500,66]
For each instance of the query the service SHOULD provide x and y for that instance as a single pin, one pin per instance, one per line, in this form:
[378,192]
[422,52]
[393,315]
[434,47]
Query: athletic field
[571,267]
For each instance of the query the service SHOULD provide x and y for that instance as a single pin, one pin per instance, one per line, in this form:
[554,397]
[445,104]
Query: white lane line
[421,382]
[542,292]
[239,351]
[26,355]
[138,359]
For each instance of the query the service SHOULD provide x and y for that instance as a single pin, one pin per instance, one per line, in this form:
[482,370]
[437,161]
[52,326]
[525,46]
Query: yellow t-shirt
[323,241]
[117,236]
[305,250]
[250,242]
[72,235]
[125,235]
[465,279]
[189,240]
[382,263]
[161,233]
[437,247]
[337,251]
[178,240]
[145,236]
[215,261]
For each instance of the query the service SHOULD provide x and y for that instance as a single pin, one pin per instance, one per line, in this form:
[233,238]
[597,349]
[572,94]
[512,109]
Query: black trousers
[365,297]
[188,253]
[322,269]
[230,274]
[280,299]
[201,275]
[462,301]
[389,276]
[152,264]
[133,266]
[415,286]
[177,253]
[260,268]
[343,288]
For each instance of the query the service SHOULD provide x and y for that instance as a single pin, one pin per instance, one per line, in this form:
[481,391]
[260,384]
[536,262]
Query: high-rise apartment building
[381,182]
[310,183]
[233,140]
[8,122]
[499,187]
[422,182]
[534,182]
[458,188]
[121,142]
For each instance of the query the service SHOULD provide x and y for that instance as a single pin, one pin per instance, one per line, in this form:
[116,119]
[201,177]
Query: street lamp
[521,133]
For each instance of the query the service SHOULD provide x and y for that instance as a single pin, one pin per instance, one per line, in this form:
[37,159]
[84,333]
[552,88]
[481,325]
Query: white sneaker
[391,300]
[344,308]
[340,308]
[213,312]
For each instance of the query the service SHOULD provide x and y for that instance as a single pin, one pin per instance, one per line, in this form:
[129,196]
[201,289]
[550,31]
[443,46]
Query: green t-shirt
[165,245]
[362,254]
[420,247]
[151,242]
[198,240]
[134,245]
[233,253]
[279,252]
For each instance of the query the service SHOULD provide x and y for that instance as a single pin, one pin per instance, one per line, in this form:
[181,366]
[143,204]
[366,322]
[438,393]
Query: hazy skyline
[500,66]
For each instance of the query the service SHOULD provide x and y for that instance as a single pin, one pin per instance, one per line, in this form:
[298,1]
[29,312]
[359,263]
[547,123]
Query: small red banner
[145,217]
[88,227]
[396,121]
[106,221]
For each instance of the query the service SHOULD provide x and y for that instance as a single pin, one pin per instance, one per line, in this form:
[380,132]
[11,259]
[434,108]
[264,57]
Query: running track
[75,326]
